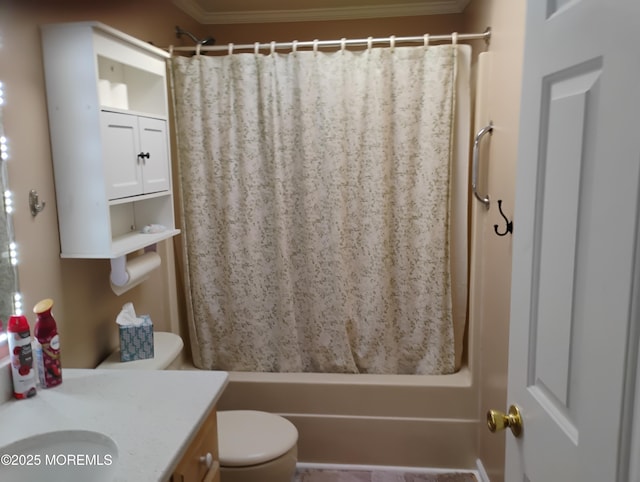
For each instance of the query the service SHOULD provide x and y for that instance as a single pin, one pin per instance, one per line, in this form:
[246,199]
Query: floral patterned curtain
[316,208]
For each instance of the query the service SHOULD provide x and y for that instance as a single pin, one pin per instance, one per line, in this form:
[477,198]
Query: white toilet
[167,350]
[251,455]
[253,446]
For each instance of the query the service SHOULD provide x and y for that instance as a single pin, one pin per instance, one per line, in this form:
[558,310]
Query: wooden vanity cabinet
[200,462]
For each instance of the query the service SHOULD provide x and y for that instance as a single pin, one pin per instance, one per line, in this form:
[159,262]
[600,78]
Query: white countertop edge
[151,415]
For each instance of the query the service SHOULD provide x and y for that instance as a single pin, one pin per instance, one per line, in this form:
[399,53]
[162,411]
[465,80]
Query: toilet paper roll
[119,95]
[104,92]
[135,272]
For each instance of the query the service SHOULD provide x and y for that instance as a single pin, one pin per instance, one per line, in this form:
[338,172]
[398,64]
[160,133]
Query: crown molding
[431,7]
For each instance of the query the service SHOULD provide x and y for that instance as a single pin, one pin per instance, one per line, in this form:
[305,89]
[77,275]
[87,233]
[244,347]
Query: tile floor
[331,475]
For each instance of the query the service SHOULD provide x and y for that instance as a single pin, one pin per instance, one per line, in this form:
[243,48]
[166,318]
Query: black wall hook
[509,228]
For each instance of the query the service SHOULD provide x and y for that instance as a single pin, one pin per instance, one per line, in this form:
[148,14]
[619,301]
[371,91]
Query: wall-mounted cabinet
[108,119]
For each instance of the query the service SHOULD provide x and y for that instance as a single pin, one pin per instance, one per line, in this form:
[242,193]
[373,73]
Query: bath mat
[330,475]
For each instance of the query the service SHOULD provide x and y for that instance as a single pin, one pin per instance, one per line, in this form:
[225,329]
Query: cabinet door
[122,165]
[155,163]
[200,462]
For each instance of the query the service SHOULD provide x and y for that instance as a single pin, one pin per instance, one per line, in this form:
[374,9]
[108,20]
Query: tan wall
[85,307]
[285,32]
[491,266]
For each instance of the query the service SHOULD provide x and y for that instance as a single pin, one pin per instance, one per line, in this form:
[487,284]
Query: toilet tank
[167,350]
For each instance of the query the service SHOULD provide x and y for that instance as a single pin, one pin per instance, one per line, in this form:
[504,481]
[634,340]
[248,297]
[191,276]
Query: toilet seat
[241,445]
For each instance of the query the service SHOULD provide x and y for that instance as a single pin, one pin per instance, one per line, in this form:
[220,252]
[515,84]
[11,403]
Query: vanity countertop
[151,415]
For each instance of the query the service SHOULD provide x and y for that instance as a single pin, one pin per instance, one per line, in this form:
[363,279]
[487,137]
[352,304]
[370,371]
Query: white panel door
[154,147]
[121,146]
[574,242]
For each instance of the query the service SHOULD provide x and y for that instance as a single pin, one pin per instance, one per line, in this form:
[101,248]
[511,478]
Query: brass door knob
[497,421]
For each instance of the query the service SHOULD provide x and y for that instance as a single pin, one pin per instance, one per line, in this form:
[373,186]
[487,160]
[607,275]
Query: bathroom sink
[69,455]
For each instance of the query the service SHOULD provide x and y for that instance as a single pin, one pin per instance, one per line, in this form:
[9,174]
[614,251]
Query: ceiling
[261,11]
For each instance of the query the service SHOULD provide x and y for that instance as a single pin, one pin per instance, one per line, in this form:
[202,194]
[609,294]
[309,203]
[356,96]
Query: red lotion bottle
[47,345]
[22,369]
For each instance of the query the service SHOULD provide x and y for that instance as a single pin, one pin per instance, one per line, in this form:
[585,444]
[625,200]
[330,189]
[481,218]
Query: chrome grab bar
[476,154]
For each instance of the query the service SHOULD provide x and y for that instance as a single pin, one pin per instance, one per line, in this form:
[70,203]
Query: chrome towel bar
[476,155]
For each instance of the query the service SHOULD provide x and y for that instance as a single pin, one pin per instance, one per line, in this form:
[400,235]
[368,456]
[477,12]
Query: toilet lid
[166,348]
[248,437]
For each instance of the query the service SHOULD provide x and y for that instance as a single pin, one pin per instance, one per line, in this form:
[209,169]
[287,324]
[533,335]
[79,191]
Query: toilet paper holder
[126,274]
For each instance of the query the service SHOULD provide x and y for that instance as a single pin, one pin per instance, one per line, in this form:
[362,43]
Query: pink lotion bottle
[47,343]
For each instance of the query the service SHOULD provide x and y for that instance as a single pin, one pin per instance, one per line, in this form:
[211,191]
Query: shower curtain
[316,200]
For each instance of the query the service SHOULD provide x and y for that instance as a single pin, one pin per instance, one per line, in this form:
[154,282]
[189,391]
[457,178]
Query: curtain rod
[486,35]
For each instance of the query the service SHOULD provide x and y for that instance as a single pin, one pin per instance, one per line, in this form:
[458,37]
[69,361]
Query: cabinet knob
[144,155]
[207,460]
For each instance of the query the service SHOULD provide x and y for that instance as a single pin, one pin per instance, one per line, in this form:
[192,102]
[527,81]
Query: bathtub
[389,420]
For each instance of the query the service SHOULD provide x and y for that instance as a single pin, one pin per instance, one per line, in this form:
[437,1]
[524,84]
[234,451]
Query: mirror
[8,273]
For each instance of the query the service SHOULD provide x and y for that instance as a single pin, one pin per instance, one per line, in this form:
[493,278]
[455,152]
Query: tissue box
[136,341]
